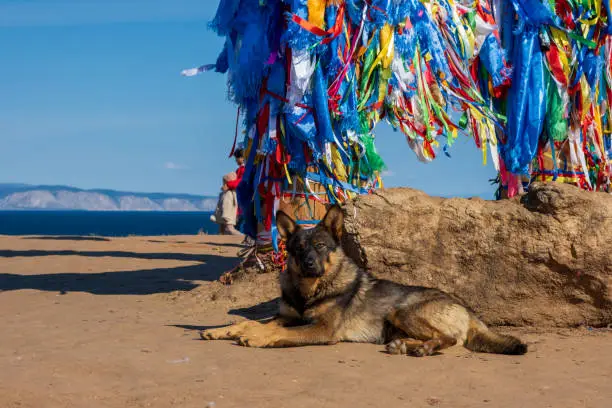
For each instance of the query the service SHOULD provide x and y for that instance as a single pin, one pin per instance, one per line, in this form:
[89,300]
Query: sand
[114,323]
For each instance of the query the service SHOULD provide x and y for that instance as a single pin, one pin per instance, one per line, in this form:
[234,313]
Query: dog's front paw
[229,332]
[259,341]
[215,334]
[252,341]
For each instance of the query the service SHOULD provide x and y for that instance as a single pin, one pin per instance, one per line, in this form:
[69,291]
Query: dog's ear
[334,221]
[285,225]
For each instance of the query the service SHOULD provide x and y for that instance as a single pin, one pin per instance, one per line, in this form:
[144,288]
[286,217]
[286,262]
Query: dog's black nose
[310,263]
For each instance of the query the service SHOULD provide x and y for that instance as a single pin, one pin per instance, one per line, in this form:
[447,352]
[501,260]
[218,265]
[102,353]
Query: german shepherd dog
[327,298]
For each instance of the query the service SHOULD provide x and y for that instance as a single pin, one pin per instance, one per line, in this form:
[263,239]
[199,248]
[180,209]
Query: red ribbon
[554,63]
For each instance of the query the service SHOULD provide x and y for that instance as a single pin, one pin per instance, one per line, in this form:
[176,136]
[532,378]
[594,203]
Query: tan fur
[234,331]
[278,336]
[309,286]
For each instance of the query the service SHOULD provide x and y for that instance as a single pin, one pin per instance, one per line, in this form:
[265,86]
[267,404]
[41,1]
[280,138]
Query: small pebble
[433,401]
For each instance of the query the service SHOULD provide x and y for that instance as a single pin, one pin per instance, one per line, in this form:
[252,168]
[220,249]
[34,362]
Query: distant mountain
[29,197]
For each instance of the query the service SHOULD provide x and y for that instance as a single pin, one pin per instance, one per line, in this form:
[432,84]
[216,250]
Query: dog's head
[310,250]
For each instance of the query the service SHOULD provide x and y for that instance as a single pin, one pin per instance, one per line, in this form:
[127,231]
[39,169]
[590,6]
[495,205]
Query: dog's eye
[319,246]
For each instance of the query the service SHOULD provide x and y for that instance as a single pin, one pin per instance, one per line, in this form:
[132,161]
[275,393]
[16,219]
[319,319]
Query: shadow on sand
[99,254]
[139,282]
[68,238]
[260,311]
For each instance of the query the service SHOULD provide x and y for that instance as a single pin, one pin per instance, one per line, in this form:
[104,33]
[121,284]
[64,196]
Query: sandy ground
[114,323]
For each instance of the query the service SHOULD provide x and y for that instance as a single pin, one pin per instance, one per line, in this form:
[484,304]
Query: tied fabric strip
[313,78]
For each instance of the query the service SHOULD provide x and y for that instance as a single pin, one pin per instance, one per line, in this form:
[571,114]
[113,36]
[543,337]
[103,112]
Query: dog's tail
[480,338]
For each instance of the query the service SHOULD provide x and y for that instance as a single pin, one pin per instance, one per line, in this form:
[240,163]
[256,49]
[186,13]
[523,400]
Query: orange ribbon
[332,33]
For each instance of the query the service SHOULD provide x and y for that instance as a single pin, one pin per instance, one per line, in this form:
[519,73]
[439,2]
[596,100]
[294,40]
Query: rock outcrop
[543,260]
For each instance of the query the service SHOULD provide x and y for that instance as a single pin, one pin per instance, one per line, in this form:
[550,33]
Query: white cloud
[174,166]
[388,173]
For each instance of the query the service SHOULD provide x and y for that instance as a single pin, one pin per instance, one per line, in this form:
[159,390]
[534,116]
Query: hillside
[30,197]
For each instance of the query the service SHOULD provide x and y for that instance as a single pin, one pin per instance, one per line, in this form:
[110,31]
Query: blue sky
[91,96]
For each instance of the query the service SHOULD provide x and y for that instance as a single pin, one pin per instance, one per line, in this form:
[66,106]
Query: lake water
[103,223]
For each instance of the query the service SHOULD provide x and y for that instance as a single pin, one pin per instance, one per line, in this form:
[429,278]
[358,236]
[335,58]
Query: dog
[326,298]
